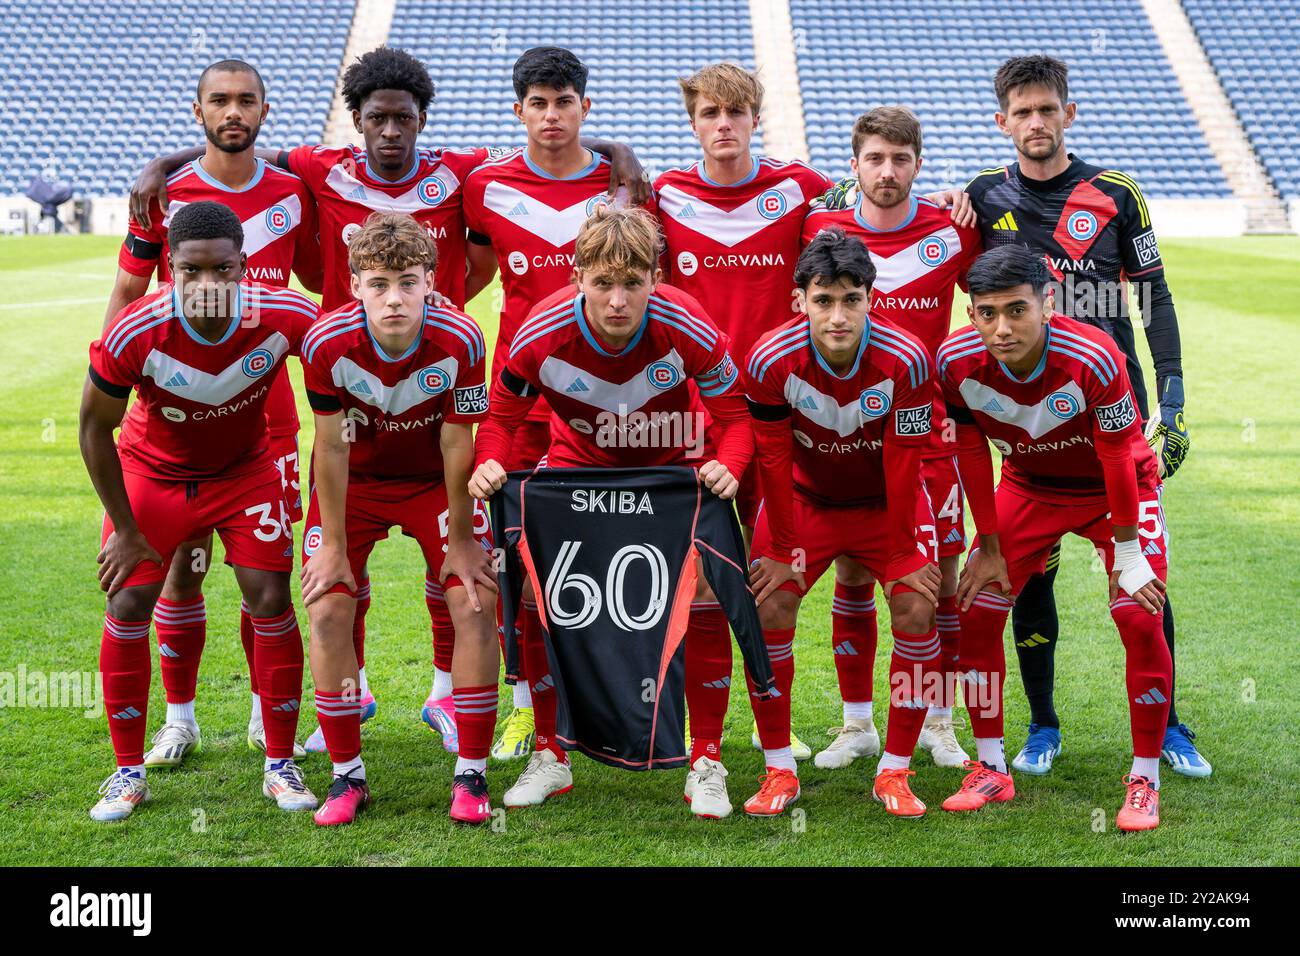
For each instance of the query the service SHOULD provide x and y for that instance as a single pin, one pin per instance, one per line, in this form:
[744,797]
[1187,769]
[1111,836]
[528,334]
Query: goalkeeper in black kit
[1094,229]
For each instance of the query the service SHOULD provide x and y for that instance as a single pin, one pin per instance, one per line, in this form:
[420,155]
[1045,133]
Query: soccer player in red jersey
[389,92]
[1053,395]
[615,360]
[841,404]
[525,210]
[397,385]
[201,353]
[920,256]
[279,220]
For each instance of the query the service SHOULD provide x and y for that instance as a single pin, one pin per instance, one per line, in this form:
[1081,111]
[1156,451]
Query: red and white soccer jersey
[734,247]
[1048,426]
[201,410]
[831,439]
[634,408]
[531,219]
[396,406]
[279,219]
[346,195]
[919,265]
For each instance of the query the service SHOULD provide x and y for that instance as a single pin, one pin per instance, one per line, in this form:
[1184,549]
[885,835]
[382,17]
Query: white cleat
[857,738]
[938,737]
[257,741]
[172,744]
[706,789]
[122,792]
[544,777]
[283,783]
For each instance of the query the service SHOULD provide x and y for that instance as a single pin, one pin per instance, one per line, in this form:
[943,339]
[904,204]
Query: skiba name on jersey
[611,502]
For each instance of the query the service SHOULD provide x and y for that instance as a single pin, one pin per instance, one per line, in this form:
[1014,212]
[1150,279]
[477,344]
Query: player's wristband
[1134,569]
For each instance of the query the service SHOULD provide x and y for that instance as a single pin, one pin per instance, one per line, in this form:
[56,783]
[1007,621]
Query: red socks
[277,651]
[182,629]
[476,718]
[983,661]
[773,714]
[340,721]
[444,633]
[914,681]
[708,678]
[124,664]
[1148,673]
[949,624]
[246,638]
[853,634]
[542,683]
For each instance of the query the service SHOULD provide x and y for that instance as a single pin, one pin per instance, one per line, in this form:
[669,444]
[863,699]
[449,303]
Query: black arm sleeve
[325,404]
[767,413]
[960,415]
[1156,303]
[112,389]
[477,238]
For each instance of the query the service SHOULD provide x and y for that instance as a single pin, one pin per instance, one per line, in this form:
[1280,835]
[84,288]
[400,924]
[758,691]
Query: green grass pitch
[1234,512]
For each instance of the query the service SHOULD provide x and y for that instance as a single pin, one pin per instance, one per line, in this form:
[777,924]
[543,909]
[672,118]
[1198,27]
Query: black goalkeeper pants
[1035,628]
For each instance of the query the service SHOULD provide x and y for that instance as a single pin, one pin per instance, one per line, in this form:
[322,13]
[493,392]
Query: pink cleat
[347,797]
[469,798]
[440,715]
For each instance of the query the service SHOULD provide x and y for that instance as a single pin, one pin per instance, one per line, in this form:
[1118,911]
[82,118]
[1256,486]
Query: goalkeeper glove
[1167,432]
[840,196]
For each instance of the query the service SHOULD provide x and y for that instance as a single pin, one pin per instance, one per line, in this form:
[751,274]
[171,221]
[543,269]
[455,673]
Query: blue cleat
[1181,754]
[1040,749]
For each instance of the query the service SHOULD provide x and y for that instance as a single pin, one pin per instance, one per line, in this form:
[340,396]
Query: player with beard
[279,223]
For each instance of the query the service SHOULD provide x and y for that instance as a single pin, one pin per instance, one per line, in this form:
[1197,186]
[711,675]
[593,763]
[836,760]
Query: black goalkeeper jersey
[1094,229]
[611,553]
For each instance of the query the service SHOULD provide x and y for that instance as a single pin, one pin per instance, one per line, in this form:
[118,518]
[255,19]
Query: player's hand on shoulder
[150,184]
[840,196]
[963,211]
[766,575]
[439,301]
[468,561]
[328,566]
[719,479]
[118,558]
[983,568]
[626,172]
[487,480]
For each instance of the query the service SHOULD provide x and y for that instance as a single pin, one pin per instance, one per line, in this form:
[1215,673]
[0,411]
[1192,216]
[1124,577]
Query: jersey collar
[215,183]
[911,214]
[579,313]
[1069,175]
[857,359]
[748,177]
[1038,369]
[415,342]
[189,329]
[363,166]
[585,171]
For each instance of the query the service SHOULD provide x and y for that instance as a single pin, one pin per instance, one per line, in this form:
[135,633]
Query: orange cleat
[777,789]
[892,790]
[979,787]
[1141,810]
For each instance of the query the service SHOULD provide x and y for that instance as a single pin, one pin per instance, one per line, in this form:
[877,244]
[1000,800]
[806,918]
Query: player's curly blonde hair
[391,242]
[727,84]
[618,243]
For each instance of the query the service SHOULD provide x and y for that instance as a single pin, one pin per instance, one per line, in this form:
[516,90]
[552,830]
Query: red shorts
[944,488]
[247,511]
[531,441]
[284,451]
[374,508]
[1029,527]
[859,533]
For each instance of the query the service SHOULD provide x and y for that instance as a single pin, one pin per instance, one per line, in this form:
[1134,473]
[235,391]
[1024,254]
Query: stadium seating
[95,88]
[635,53]
[1255,49]
[939,57]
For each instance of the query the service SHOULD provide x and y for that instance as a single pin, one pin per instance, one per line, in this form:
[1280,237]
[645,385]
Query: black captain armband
[767,413]
[516,385]
[478,238]
[111,389]
[325,404]
[141,248]
[961,415]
